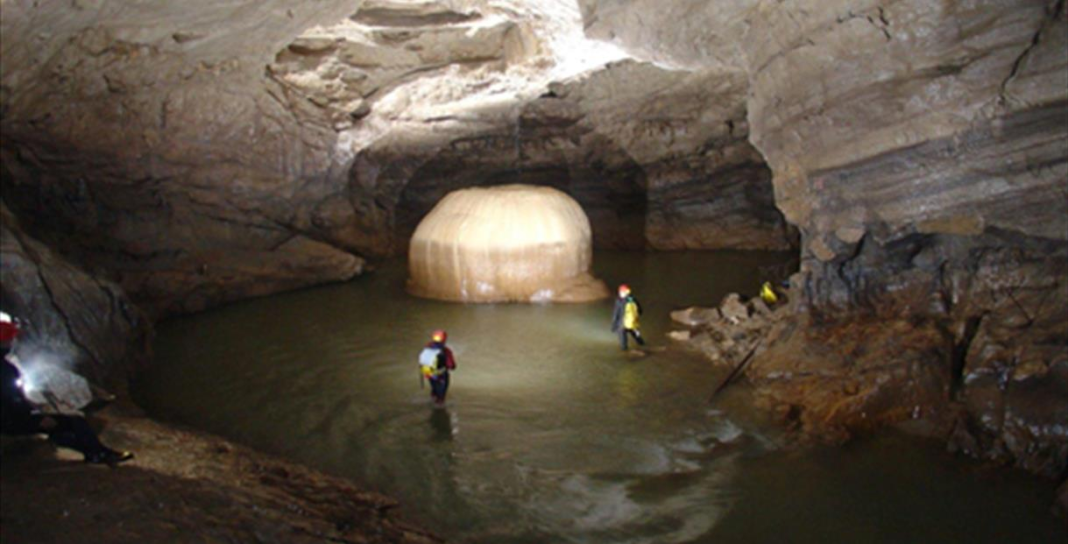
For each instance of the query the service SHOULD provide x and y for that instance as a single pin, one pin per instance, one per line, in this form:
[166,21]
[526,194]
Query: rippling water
[550,433]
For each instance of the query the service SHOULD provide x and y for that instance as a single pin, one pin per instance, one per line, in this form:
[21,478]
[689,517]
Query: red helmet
[439,336]
[624,290]
[9,329]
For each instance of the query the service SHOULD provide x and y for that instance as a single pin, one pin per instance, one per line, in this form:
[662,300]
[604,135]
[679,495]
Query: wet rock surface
[967,335]
[183,486]
[920,150]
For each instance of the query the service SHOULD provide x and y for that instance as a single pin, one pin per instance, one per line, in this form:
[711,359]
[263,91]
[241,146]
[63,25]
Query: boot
[109,457]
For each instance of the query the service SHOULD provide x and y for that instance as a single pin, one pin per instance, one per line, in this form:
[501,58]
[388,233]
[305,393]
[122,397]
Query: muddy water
[550,434]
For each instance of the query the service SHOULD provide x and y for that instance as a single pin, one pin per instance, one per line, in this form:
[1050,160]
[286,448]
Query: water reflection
[550,434]
[441,424]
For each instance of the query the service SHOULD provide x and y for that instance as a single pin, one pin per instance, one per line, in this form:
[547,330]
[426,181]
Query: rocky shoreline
[829,382]
[183,486]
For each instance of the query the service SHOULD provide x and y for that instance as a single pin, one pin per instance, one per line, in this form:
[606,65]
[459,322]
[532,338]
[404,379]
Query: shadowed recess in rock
[512,243]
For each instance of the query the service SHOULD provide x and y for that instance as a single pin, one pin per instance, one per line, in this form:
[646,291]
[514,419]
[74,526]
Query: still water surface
[550,434]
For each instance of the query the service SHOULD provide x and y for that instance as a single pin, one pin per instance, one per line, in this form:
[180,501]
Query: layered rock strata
[200,153]
[927,172]
[921,150]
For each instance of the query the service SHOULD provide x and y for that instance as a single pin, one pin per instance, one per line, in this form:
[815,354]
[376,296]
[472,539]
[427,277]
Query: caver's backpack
[428,362]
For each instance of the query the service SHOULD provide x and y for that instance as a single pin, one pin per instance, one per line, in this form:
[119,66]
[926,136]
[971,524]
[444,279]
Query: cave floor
[183,486]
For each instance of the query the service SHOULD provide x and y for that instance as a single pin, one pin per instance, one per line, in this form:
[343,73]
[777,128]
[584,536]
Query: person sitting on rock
[435,362]
[625,317]
[20,416]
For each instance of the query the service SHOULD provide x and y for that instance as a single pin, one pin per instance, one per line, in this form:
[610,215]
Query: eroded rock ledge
[989,376]
[184,486]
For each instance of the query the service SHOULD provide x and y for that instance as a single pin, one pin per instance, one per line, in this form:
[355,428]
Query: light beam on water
[550,433]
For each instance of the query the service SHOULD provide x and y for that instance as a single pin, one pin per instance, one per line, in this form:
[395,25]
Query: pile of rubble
[726,335]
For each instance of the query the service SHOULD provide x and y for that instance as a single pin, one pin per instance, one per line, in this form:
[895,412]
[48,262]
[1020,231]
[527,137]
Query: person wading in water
[435,363]
[625,317]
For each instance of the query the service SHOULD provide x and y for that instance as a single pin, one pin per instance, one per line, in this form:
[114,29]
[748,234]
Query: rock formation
[204,153]
[920,149]
[146,142]
[927,172]
[512,243]
[194,153]
[71,320]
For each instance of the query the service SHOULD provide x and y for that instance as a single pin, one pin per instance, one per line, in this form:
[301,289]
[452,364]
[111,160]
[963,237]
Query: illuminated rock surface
[175,156]
[513,243]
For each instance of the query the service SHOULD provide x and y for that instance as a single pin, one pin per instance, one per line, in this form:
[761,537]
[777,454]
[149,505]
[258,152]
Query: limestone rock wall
[145,141]
[682,34]
[200,152]
[661,164]
[952,110]
[70,318]
[920,148]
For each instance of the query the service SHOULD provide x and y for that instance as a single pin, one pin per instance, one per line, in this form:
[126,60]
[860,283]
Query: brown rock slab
[733,309]
[184,486]
[695,316]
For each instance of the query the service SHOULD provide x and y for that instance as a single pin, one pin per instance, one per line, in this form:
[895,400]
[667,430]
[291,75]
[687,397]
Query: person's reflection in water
[441,425]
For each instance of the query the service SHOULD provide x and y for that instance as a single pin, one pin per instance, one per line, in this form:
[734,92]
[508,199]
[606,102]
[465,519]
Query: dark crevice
[959,354]
[1051,18]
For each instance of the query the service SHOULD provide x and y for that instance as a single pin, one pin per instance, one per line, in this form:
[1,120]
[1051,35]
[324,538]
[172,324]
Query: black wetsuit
[19,417]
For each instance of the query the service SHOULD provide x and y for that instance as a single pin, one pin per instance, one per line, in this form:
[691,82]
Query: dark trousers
[71,432]
[439,385]
[633,332]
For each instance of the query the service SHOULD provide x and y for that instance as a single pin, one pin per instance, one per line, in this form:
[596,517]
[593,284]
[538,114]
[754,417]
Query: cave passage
[550,433]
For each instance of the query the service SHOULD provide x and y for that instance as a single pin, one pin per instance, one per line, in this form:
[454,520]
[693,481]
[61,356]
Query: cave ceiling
[181,147]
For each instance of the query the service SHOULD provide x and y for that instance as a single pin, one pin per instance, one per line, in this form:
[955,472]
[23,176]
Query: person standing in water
[435,363]
[625,317]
